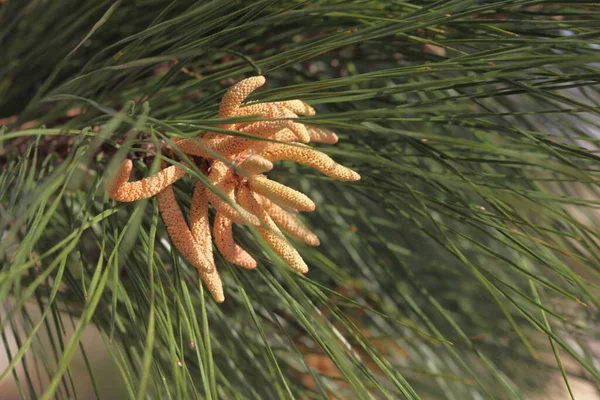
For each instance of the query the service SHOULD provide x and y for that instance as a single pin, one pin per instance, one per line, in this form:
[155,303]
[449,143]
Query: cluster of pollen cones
[252,198]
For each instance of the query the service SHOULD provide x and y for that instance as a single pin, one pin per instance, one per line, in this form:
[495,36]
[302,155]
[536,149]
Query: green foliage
[464,264]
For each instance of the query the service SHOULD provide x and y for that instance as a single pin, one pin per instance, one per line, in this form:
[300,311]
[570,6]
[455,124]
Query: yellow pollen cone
[311,157]
[271,234]
[184,242]
[199,223]
[321,135]
[254,165]
[121,190]
[289,222]
[235,96]
[223,229]
[298,107]
[281,194]
[222,178]
[196,147]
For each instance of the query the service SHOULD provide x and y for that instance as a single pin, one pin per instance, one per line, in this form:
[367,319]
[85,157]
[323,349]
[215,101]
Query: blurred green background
[464,264]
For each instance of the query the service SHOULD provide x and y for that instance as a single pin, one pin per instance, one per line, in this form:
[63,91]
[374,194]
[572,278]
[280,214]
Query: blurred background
[463,265]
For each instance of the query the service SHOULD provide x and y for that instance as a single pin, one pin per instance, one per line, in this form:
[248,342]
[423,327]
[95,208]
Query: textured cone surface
[195,147]
[228,146]
[298,129]
[254,165]
[121,190]
[199,222]
[278,110]
[235,96]
[261,109]
[321,135]
[310,157]
[184,242]
[271,234]
[281,194]
[298,107]
[289,222]
[222,178]
[223,228]
[237,164]
[284,135]
[264,128]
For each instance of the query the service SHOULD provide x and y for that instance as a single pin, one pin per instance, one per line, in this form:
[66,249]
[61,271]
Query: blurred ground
[111,386]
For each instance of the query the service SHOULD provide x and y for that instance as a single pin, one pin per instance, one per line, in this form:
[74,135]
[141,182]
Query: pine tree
[464,264]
